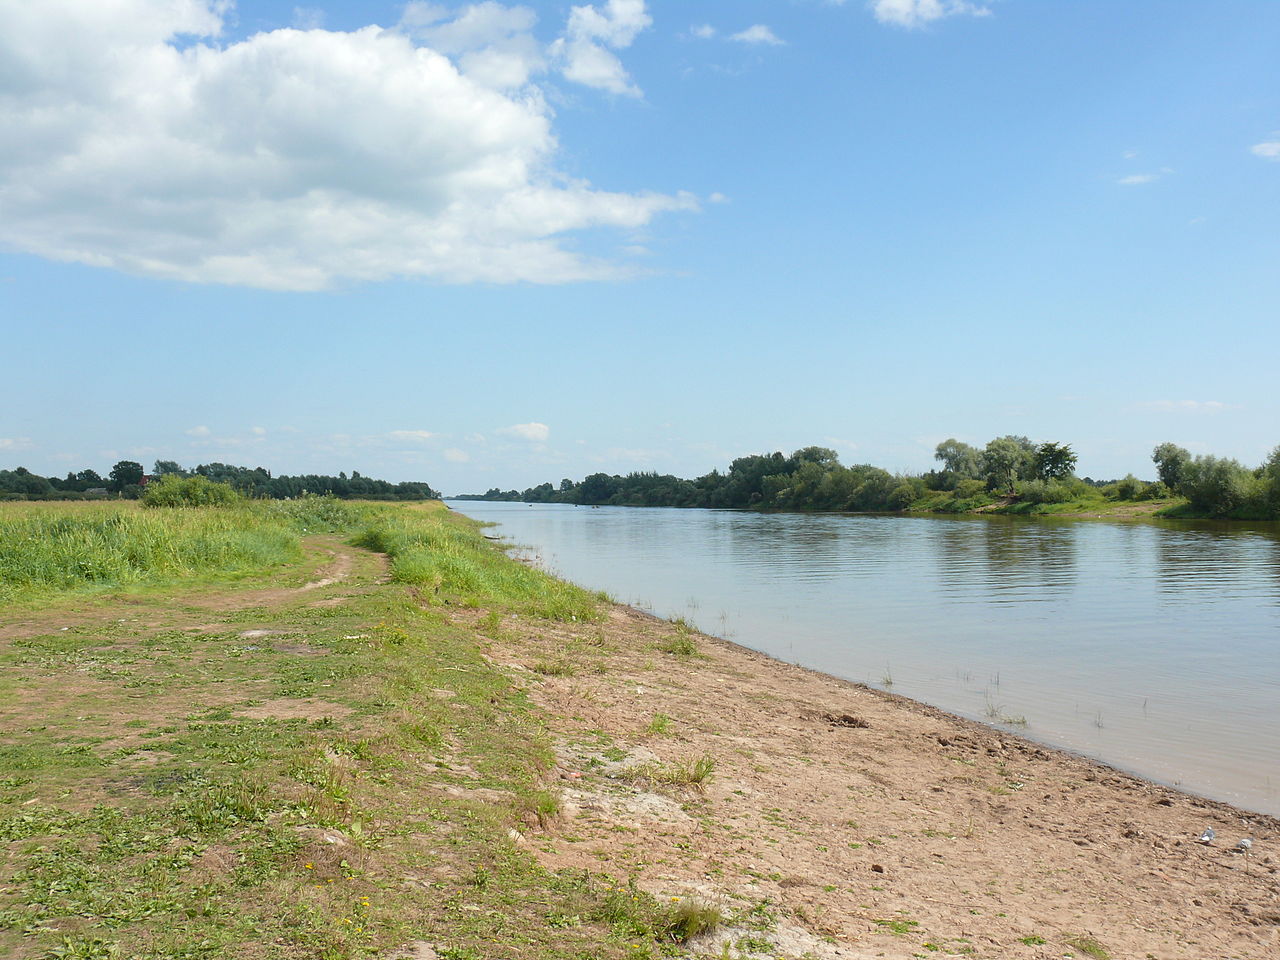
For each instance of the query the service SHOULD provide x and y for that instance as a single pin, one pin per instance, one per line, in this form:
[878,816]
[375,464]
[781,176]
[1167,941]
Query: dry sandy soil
[843,822]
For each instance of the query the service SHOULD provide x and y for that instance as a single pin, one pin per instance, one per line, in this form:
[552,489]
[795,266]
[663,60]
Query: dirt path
[842,822]
[328,562]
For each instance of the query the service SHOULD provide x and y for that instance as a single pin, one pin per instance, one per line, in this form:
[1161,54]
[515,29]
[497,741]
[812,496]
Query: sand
[844,822]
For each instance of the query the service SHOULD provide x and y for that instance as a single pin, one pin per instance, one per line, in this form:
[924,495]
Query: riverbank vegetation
[1011,474]
[391,740]
[327,767]
[128,479]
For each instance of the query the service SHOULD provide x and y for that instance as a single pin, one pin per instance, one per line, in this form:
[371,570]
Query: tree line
[1012,469]
[127,479]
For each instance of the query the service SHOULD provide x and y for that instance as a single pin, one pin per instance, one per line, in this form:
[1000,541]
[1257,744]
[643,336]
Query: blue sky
[502,244]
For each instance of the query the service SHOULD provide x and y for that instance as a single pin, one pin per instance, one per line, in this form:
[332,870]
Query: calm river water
[1153,647]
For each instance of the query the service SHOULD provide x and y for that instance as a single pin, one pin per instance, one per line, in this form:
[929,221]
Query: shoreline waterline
[1151,647]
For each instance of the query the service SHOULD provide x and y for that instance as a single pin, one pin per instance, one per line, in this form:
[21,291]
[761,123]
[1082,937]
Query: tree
[958,458]
[1217,485]
[1006,460]
[1053,461]
[124,474]
[1171,461]
[165,467]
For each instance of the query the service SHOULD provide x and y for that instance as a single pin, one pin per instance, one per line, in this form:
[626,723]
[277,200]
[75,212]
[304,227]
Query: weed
[554,668]
[897,927]
[659,725]
[1032,940]
[689,918]
[1088,946]
[995,713]
[681,773]
[680,644]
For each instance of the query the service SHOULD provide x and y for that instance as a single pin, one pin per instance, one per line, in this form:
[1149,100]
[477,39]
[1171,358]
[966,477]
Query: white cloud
[454,455]
[1267,150]
[200,431]
[1138,179]
[703,31]
[14,443]
[717,197]
[258,431]
[581,52]
[917,13]
[492,44]
[757,34]
[413,436]
[308,18]
[533,432]
[131,137]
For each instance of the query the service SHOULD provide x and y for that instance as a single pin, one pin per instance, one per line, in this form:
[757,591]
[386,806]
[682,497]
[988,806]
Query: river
[1154,647]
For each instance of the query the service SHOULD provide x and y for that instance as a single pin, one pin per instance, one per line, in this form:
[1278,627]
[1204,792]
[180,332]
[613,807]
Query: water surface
[1152,646]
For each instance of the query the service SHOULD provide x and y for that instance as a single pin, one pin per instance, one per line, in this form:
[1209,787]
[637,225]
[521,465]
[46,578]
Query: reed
[48,547]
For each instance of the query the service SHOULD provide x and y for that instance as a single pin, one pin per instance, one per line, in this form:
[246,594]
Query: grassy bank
[201,770]
[1090,504]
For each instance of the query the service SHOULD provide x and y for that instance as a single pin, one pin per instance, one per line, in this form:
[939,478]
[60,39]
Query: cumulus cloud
[1267,150]
[200,431]
[917,13]
[14,443]
[491,44]
[533,432]
[133,137]
[412,436]
[703,31]
[582,53]
[757,34]
[454,455]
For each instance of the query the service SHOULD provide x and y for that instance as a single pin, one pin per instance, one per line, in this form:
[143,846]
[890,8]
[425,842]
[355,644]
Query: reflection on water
[1155,647]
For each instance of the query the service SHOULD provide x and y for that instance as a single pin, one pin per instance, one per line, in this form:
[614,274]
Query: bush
[172,490]
[1130,488]
[969,487]
[901,497]
[1045,491]
[1218,485]
[1155,491]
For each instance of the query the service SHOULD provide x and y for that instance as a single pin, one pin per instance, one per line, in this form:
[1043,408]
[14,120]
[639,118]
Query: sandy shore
[844,822]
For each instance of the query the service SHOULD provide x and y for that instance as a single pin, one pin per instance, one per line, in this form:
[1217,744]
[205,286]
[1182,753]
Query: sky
[499,244]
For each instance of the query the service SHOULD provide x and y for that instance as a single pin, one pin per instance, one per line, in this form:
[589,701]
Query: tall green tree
[126,473]
[959,458]
[1170,460]
[1053,461]
[1006,460]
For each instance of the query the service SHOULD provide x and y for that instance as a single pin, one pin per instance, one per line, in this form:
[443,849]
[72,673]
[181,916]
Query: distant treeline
[128,479]
[1009,468]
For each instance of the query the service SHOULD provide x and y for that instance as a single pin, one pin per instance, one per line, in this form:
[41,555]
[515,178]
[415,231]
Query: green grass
[46,548]
[171,788]
[1088,946]
[443,555]
[695,772]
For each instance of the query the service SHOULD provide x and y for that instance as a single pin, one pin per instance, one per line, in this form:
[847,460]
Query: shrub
[1045,491]
[172,490]
[969,487]
[1218,485]
[901,497]
[1155,491]
[1130,488]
